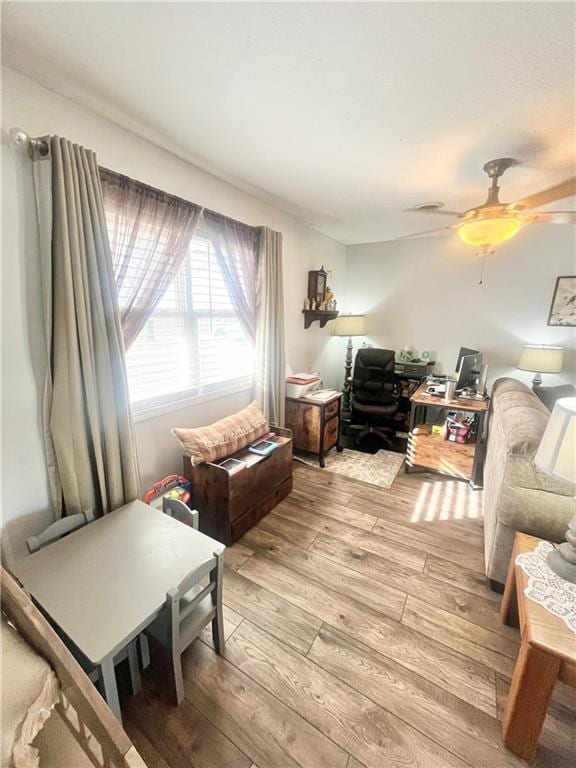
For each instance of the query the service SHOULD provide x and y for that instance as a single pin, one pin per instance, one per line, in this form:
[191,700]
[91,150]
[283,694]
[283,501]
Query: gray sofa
[517,496]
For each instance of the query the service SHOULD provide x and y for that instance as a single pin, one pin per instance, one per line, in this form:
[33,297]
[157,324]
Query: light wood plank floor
[360,634]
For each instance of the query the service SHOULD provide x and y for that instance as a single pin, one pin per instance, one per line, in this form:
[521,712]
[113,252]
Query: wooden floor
[360,633]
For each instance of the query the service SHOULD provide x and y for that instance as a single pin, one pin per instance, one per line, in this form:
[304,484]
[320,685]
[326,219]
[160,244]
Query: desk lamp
[540,359]
[348,325]
[556,455]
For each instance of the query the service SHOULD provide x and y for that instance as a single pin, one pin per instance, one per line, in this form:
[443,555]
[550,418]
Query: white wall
[26,104]
[424,293]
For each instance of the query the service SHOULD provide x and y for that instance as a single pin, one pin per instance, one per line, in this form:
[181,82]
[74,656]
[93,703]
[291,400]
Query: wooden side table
[547,654]
[315,424]
[429,451]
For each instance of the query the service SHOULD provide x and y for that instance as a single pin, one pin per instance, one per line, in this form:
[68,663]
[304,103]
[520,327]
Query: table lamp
[348,325]
[540,359]
[556,455]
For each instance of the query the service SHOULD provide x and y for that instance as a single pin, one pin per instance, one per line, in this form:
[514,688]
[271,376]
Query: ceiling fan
[494,222]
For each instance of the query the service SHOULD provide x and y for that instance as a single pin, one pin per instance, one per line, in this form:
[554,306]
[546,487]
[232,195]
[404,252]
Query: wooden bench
[229,505]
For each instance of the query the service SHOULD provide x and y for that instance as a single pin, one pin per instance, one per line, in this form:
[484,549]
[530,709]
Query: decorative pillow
[29,691]
[224,437]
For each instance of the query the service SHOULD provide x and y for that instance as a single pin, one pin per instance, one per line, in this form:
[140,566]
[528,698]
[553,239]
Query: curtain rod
[23,139]
[20,137]
[175,197]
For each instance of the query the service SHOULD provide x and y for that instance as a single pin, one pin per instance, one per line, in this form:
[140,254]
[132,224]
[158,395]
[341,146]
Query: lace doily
[546,588]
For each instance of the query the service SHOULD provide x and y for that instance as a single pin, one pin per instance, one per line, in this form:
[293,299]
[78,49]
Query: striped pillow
[224,437]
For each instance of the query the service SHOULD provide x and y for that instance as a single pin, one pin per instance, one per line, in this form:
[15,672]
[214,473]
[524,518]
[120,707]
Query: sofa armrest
[521,472]
[536,512]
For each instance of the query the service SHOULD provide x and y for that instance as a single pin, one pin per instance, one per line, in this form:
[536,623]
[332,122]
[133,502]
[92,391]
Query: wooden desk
[315,424]
[547,654]
[104,583]
[410,376]
[430,451]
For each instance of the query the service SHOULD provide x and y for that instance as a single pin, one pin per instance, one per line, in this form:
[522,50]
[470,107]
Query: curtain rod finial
[20,137]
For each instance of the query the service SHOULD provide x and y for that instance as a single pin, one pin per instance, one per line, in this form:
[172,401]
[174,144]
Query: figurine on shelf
[322,306]
[329,297]
[334,305]
[306,304]
[313,304]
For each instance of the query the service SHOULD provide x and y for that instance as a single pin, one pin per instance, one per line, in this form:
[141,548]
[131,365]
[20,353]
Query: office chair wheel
[384,434]
[386,437]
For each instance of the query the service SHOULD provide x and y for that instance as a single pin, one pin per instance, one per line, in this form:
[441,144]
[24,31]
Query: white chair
[58,529]
[188,609]
[180,511]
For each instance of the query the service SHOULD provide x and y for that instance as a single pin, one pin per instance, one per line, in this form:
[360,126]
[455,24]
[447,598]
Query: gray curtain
[236,247]
[270,367]
[149,233]
[88,425]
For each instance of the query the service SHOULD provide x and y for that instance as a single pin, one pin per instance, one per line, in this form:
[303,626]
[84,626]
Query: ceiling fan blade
[566,188]
[435,231]
[549,217]
[434,211]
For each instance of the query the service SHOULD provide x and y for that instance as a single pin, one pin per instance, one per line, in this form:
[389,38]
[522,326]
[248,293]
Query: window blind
[193,343]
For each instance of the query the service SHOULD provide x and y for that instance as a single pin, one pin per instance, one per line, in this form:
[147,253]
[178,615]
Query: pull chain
[485,249]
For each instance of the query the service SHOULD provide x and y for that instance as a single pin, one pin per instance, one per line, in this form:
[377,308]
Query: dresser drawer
[413,369]
[331,433]
[331,409]
[306,425]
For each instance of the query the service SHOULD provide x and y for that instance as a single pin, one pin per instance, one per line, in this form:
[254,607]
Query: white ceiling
[343,113]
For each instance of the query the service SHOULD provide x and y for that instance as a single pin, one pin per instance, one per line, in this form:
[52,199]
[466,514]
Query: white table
[104,583]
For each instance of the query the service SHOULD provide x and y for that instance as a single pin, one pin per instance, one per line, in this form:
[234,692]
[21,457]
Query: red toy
[177,483]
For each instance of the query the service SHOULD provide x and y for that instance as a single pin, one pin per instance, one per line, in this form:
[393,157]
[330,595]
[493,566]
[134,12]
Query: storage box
[229,505]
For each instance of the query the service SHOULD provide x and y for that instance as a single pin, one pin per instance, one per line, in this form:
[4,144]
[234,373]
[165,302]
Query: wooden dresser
[315,424]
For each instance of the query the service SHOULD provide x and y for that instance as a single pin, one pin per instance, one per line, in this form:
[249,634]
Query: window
[192,343]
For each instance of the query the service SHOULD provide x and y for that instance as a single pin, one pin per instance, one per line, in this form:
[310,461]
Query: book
[263,447]
[232,466]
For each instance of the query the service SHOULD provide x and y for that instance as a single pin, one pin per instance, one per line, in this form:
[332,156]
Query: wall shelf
[311,315]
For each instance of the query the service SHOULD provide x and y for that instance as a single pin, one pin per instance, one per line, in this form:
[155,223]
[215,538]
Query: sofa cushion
[224,437]
[522,416]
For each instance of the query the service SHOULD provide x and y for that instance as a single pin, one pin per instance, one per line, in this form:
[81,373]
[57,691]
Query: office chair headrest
[375,358]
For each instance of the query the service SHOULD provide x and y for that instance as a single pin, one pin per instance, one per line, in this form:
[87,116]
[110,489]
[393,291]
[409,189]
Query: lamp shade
[540,359]
[556,454]
[349,325]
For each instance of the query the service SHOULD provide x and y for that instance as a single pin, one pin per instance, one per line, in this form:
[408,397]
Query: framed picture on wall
[563,307]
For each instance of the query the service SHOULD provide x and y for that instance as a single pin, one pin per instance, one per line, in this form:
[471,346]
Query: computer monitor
[469,372]
[464,351]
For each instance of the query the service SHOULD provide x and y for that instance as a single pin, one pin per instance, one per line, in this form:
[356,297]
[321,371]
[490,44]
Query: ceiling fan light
[488,232]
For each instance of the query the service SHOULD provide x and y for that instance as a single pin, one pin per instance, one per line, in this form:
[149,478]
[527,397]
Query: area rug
[376,468]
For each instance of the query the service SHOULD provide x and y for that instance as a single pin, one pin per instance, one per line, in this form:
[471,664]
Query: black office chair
[375,393]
